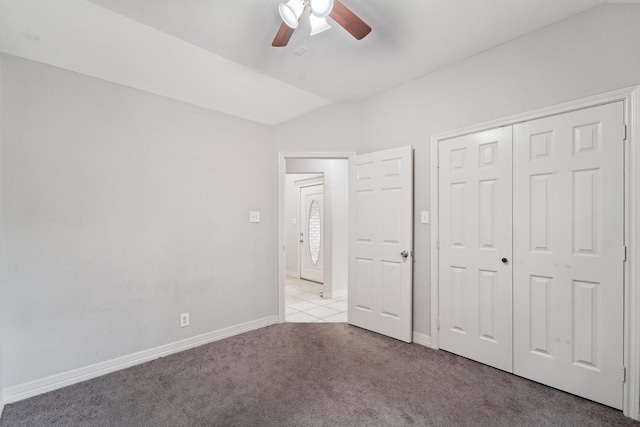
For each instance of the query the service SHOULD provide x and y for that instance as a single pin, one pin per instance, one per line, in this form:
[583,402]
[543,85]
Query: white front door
[381,242]
[568,252]
[311,233]
[475,247]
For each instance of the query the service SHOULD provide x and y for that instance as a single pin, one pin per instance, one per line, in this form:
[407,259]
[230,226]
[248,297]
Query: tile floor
[305,305]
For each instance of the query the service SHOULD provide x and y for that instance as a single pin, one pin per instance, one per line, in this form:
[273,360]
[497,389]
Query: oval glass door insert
[314,234]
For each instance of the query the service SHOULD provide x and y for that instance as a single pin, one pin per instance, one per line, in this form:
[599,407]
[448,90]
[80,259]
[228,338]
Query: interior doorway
[323,297]
[305,297]
[368,234]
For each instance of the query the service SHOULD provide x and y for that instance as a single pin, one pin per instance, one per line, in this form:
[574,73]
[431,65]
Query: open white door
[381,242]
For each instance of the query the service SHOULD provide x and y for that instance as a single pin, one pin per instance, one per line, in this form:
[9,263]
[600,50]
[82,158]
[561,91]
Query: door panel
[475,234]
[568,242]
[312,233]
[381,228]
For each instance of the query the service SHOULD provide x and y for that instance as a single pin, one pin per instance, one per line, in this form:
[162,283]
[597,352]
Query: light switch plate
[294,221]
[254,216]
[424,217]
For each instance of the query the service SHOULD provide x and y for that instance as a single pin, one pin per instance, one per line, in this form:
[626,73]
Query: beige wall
[122,210]
[594,52]
[333,128]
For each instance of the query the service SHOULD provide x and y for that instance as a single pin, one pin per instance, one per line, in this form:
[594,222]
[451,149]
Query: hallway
[306,305]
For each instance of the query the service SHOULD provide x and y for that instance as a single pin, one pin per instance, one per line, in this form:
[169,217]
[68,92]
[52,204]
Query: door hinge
[624,253]
[438,323]
[624,132]
[624,374]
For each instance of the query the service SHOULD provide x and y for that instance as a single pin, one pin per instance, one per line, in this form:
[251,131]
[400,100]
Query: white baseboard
[53,382]
[293,274]
[422,339]
[336,294]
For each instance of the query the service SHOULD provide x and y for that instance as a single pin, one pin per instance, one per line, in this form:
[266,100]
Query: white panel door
[568,248]
[381,242]
[475,272]
[312,233]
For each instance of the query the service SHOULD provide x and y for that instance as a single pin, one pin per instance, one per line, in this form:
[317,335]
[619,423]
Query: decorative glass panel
[315,233]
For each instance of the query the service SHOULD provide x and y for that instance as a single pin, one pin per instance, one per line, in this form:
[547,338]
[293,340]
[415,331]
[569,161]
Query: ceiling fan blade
[349,20]
[282,36]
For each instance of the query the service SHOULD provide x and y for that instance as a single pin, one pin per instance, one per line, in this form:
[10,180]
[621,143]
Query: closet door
[475,247]
[568,223]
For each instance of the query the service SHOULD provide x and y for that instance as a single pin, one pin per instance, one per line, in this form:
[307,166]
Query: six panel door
[568,251]
[475,219]
[381,242]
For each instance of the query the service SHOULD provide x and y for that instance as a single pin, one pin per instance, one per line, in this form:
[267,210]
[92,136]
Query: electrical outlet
[184,320]
[254,216]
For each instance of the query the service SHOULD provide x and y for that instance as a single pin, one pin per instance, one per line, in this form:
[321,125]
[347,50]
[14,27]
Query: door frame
[631,99]
[282,231]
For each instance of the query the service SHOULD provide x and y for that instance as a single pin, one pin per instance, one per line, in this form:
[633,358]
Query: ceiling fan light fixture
[290,12]
[318,25]
[321,8]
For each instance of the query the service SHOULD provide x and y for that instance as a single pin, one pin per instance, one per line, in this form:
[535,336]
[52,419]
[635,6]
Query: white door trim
[310,182]
[282,231]
[631,98]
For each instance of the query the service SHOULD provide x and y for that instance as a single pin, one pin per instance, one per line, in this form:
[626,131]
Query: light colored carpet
[298,374]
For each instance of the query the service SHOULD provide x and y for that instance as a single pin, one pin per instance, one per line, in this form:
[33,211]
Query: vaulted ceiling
[217,53]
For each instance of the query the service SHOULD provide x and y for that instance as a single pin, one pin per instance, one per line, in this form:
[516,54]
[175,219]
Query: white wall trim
[309,182]
[435,238]
[422,339]
[631,98]
[53,382]
[631,406]
[294,274]
[339,293]
[579,104]
[282,231]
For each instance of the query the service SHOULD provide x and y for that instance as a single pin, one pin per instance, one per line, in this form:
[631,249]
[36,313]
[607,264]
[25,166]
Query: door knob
[505,260]
[404,254]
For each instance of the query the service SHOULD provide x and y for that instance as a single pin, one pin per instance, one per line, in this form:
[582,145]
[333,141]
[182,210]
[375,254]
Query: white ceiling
[217,53]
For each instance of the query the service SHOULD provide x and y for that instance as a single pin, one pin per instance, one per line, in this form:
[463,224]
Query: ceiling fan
[292,11]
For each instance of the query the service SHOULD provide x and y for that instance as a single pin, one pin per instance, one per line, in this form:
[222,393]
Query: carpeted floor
[307,374]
